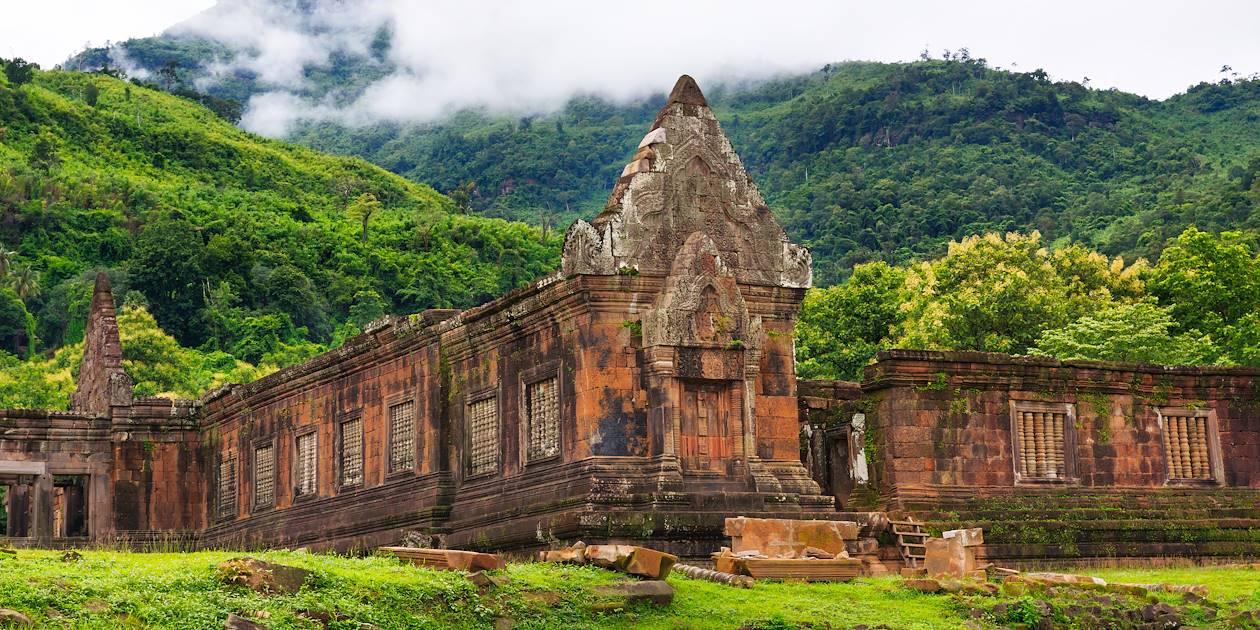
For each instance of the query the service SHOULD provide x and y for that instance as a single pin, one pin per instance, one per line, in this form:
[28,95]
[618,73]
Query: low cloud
[510,57]
[513,56]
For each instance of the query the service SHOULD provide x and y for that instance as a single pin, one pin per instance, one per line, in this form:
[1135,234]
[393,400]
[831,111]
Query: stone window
[264,477]
[352,452]
[483,436]
[1042,439]
[227,488]
[304,472]
[402,436]
[1191,445]
[542,418]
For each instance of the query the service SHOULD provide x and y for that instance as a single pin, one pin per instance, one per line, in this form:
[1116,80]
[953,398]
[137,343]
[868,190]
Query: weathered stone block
[780,537]
[971,537]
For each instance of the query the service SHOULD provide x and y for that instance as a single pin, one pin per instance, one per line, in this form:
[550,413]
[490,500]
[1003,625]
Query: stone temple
[643,394]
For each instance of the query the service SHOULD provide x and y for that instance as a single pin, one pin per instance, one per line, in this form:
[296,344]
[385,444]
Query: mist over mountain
[360,62]
[861,161]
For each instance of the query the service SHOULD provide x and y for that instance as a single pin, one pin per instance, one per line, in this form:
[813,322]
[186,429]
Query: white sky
[1153,47]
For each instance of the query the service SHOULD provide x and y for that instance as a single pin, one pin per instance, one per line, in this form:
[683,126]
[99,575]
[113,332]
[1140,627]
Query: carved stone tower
[102,383]
[716,339]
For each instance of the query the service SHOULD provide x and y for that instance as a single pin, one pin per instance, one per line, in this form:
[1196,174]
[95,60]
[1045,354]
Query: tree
[19,71]
[841,327]
[463,196]
[6,262]
[25,282]
[1210,281]
[1131,333]
[165,265]
[14,322]
[362,208]
[91,93]
[998,294]
[46,155]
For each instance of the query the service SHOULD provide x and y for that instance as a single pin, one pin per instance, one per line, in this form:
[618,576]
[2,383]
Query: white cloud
[519,56]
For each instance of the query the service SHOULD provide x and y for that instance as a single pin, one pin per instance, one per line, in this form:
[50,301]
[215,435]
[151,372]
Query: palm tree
[25,283]
[362,208]
[6,261]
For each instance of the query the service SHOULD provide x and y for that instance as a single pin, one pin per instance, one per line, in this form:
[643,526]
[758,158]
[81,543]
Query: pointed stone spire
[102,382]
[684,179]
[687,92]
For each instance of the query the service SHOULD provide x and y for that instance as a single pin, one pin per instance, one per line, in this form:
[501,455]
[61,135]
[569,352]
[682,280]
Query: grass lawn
[136,590]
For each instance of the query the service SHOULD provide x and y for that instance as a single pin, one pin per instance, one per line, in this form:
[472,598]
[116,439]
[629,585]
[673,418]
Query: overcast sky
[457,52]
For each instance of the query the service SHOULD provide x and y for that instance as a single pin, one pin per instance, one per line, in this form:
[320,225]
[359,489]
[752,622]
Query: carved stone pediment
[700,304]
[686,178]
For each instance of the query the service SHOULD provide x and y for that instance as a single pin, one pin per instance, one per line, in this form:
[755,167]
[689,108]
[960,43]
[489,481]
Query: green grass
[170,590]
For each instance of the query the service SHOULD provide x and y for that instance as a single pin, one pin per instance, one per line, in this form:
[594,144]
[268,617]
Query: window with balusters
[1188,444]
[264,477]
[1042,439]
[483,436]
[304,472]
[227,488]
[542,418]
[352,452]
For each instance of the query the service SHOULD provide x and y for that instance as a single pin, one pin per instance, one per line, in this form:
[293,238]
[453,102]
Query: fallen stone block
[609,556]
[262,577]
[815,552]
[948,556]
[14,618]
[654,592]
[778,537]
[482,580]
[237,622]
[923,585]
[448,559]
[650,563]
[972,537]
[809,569]
[575,554]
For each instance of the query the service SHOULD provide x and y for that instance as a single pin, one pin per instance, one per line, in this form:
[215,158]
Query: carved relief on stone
[798,267]
[700,304]
[586,251]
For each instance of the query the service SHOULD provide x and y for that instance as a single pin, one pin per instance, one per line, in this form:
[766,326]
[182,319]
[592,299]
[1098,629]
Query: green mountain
[259,249]
[862,161]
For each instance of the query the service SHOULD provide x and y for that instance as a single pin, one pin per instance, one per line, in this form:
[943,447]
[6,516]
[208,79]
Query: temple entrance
[840,477]
[17,508]
[70,506]
[704,438]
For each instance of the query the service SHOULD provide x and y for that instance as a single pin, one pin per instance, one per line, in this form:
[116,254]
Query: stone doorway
[70,506]
[704,433]
[840,478]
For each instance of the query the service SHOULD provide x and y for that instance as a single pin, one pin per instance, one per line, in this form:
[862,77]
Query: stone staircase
[1203,524]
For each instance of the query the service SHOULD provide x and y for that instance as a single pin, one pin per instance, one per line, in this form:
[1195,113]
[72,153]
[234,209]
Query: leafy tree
[1211,281]
[14,322]
[46,155]
[19,71]
[362,208]
[368,307]
[842,327]
[1140,332]
[91,94]
[166,267]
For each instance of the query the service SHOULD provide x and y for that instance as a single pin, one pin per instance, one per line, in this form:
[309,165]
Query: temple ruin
[643,394]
